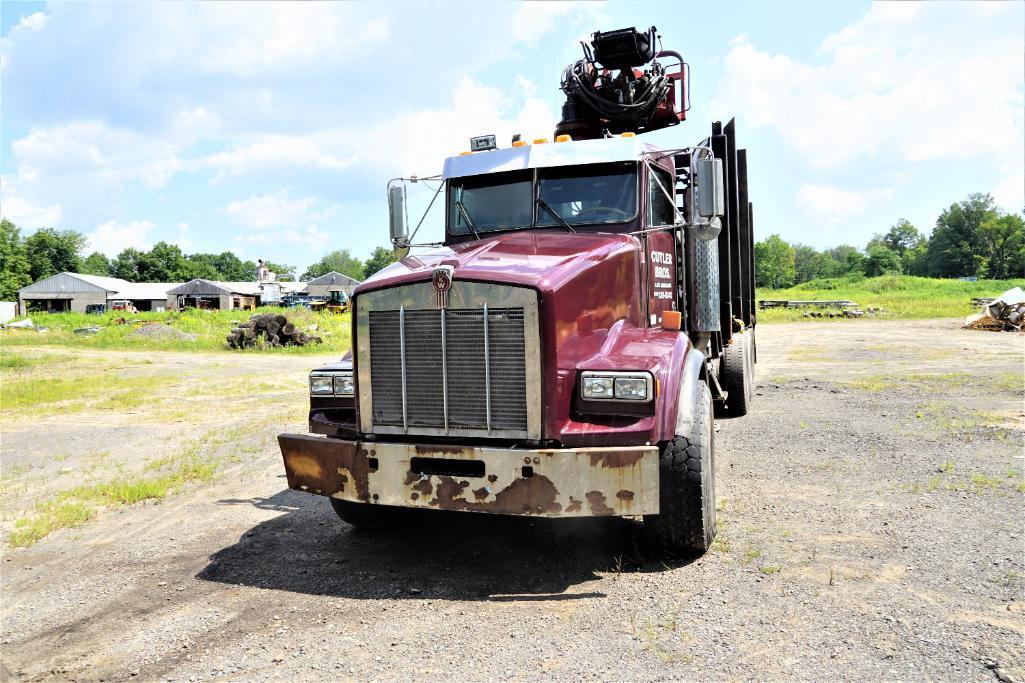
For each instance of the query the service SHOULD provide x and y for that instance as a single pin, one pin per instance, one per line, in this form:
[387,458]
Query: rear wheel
[686,521]
[736,372]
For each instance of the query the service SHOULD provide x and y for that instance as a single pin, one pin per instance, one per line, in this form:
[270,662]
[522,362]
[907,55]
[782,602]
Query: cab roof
[546,155]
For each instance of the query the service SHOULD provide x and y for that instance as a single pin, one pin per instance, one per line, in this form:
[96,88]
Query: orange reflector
[463,154]
[628,135]
[520,143]
[540,141]
[562,138]
[671,320]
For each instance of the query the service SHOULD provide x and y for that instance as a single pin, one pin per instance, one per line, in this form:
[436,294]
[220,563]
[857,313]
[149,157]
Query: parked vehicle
[563,353]
[95,309]
[336,302]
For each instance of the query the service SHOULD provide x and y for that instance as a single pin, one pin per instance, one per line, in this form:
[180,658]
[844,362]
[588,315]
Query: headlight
[616,386]
[598,388]
[344,385]
[321,386]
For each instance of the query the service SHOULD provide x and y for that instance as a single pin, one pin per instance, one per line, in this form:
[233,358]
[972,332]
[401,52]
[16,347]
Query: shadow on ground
[434,555]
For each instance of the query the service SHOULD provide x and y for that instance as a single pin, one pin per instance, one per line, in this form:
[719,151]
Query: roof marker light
[519,143]
[563,138]
[628,134]
[463,154]
[540,141]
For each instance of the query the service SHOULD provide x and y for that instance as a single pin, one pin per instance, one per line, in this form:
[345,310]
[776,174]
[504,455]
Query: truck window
[660,208]
[497,201]
[581,195]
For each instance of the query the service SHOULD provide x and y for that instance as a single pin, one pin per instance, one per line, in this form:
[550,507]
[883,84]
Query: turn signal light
[540,141]
[562,138]
[519,143]
[463,154]
[671,320]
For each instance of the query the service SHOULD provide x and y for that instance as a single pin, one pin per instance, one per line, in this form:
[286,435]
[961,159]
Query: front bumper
[565,482]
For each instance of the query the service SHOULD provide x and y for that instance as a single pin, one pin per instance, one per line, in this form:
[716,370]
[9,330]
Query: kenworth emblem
[442,281]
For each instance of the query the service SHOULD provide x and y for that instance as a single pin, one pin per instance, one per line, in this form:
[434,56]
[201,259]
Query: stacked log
[268,329]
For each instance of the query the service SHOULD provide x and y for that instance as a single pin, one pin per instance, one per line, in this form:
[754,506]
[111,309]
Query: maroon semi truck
[563,352]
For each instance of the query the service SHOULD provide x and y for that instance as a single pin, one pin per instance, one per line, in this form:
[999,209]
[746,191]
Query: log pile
[268,329]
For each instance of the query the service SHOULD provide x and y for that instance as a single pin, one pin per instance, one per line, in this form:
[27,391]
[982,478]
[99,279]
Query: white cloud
[285,35]
[113,237]
[34,22]
[837,205]
[27,215]
[1010,192]
[91,148]
[312,237]
[889,86]
[272,210]
[412,142]
[533,19]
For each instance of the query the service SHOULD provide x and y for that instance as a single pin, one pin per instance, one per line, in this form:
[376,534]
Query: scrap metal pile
[1006,313]
[267,329]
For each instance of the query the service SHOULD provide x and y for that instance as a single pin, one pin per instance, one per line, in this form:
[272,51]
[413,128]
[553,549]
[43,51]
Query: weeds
[74,507]
[47,518]
[901,296]
[771,569]
[209,328]
[750,555]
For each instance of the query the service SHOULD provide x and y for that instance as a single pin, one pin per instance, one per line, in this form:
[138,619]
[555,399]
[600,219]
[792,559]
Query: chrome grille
[450,369]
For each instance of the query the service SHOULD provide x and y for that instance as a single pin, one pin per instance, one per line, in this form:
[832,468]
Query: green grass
[74,507]
[902,296]
[100,389]
[210,328]
[890,381]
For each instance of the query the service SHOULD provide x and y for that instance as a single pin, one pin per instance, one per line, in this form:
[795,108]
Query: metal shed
[331,282]
[211,294]
[68,292]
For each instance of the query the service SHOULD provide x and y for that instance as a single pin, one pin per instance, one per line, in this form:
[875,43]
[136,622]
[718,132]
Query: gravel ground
[871,526]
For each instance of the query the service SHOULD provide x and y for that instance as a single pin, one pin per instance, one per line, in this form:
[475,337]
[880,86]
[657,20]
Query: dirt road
[872,525]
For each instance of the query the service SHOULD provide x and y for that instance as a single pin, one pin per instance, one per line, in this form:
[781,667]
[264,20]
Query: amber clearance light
[671,320]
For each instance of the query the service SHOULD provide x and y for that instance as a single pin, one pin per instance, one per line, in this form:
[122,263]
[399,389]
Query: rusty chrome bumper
[565,482]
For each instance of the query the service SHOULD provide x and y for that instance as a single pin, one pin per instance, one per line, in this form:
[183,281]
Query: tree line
[971,238]
[48,251]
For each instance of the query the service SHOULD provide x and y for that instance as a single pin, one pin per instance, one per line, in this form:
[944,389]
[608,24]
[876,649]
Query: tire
[685,524]
[366,516]
[735,375]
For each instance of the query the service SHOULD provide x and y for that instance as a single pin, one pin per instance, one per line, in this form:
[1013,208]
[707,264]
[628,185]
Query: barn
[212,294]
[322,286]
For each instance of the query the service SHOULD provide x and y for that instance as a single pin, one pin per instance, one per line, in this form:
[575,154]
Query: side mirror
[711,193]
[397,215]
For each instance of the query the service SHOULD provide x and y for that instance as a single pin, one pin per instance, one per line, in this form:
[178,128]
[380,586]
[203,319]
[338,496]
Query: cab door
[660,246]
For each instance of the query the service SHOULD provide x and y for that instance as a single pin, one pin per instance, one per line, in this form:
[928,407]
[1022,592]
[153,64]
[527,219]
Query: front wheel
[686,521]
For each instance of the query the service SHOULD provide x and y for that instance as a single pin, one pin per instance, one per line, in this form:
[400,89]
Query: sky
[271,129]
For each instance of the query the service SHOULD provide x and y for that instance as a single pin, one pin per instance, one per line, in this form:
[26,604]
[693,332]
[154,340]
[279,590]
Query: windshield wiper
[544,205]
[466,217]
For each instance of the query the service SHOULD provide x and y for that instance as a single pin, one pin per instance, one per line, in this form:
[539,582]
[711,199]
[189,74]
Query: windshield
[580,195]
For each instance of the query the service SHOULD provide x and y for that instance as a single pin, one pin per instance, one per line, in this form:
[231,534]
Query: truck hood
[543,259]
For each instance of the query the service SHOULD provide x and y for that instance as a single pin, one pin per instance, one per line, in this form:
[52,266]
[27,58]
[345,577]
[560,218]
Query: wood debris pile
[268,329]
[1006,313]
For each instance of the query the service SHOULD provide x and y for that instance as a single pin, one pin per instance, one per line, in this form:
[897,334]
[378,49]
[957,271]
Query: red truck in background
[563,352]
